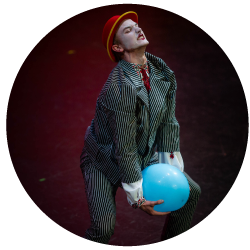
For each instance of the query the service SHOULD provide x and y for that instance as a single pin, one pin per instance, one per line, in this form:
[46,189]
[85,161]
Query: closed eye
[129,28]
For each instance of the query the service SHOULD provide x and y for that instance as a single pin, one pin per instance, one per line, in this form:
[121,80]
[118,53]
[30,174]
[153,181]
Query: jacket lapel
[159,88]
[136,81]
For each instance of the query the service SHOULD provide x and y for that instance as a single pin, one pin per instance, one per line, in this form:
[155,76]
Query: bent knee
[197,191]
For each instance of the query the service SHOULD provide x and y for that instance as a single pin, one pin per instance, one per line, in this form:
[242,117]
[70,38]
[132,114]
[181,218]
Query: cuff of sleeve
[138,203]
[134,193]
[174,159]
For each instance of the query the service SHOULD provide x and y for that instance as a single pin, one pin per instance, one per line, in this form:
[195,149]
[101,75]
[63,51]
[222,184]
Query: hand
[148,207]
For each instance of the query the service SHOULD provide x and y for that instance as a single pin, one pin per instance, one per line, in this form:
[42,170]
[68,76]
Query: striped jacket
[130,124]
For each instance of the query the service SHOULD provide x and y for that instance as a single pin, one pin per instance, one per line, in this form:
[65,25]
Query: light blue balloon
[165,182]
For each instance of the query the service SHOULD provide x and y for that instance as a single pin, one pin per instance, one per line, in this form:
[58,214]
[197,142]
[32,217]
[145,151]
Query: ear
[117,48]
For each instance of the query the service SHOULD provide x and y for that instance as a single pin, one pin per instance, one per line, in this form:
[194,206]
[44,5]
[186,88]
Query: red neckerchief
[144,72]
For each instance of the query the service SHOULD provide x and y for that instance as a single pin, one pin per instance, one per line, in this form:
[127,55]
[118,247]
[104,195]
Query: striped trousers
[101,193]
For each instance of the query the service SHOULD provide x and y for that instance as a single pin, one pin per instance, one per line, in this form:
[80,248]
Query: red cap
[110,28]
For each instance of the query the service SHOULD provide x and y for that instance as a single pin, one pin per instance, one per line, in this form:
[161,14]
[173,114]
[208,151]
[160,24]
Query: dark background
[53,101]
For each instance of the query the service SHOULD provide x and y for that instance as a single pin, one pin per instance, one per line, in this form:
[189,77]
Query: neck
[136,56]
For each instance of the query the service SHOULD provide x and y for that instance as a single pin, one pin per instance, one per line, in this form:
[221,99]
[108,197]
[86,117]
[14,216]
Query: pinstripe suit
[129,124]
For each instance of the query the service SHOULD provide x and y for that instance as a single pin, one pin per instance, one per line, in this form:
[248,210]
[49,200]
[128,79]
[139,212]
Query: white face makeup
[131,36]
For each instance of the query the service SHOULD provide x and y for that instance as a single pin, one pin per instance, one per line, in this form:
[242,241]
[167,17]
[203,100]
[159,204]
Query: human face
[131,36]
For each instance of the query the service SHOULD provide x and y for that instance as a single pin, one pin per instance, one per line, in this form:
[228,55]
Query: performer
[134,127]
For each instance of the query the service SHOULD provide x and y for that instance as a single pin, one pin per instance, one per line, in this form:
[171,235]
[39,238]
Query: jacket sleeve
[120,105]
[168,133]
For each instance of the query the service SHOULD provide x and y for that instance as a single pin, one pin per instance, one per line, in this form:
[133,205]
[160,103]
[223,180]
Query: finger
[161,213]
[157,202]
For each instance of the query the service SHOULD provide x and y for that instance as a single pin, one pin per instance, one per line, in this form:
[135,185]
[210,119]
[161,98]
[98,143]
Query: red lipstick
[141,37]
